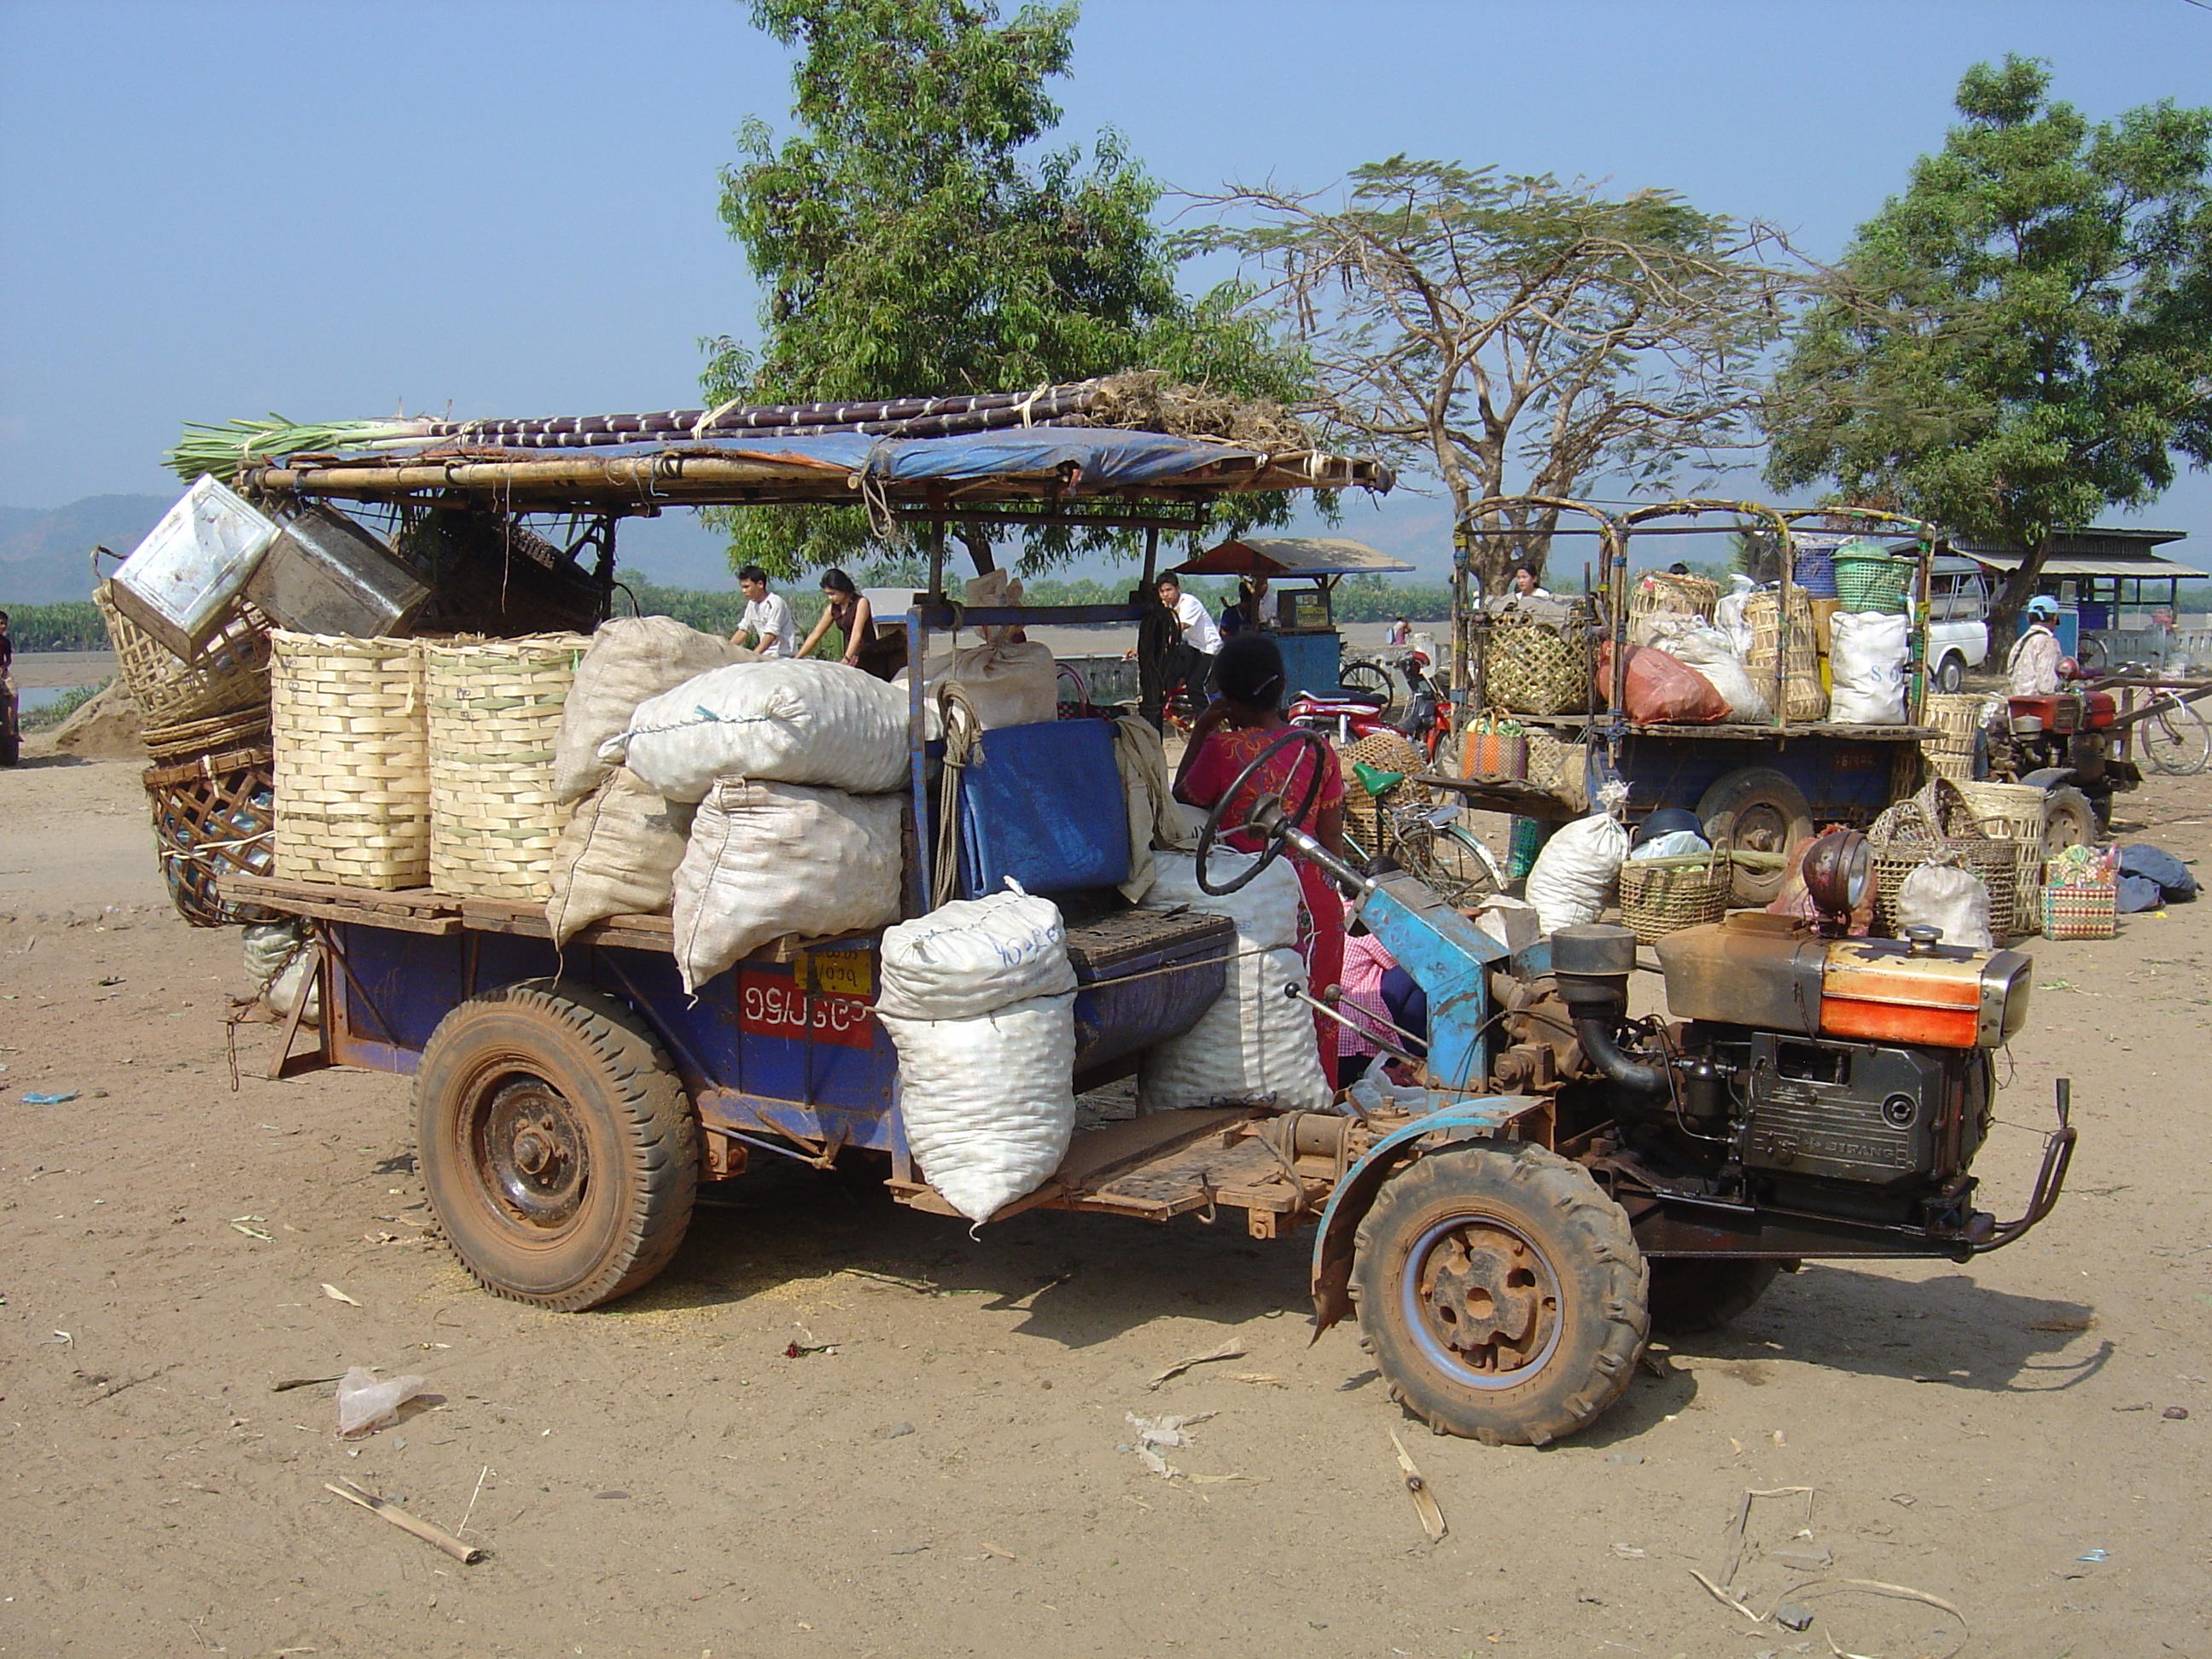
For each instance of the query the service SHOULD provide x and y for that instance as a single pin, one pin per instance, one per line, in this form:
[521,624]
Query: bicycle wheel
[1362,674]
[1452,864]
[2176,740]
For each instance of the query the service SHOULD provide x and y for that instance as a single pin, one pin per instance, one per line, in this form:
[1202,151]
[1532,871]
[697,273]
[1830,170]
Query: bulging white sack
[1865,668]
[785,721]
[1007,683]
[1255,1043]
[989,1103]
[630,658]
[1266,909]
[618,857]
[1576,872]
[768,859]
[1705,647]
[969,957]
[1728,617]
[1952,901]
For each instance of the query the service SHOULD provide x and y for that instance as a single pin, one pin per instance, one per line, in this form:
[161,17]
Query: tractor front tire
[1502,1293]
[560,1152]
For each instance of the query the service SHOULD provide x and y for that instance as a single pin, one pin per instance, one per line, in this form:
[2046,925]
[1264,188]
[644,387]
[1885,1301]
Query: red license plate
[771,1005]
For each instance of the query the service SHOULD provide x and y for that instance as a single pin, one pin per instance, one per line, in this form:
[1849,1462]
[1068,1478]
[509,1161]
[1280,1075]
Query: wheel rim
[1482,1301]
[528,1153]
[1759,827]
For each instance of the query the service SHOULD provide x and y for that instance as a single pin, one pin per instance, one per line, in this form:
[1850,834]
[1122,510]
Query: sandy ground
[947,1478]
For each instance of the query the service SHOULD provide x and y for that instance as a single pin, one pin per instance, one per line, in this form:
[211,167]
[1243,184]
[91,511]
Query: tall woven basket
[495,707]
[2014,813]
[1659,896]
[1531,666]
[1913,831]
[214,816]
[1957,716]
[1803,697]
[1660,590]
[353,770]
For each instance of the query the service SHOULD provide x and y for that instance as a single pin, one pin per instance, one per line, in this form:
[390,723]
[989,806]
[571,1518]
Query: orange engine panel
[1874,991]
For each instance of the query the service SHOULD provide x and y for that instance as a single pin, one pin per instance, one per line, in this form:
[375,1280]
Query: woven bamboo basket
[230,673]
[214,816]
[1913,831]
[1801,692]
[1659,896]
[353,770]
[1958,717]
[1385,751]
[1557,765]
[1530,666]
[2013,813]
[2079,909]
[494,717]
[1659,590]
[244,728]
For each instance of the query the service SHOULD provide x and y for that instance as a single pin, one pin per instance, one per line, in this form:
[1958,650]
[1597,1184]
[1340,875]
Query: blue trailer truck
[1573,1176]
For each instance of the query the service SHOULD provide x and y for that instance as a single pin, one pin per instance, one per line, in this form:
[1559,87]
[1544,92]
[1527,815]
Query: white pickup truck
[1958,621]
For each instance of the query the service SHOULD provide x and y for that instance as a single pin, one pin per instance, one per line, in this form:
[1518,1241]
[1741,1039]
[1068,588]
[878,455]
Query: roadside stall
[1302,574]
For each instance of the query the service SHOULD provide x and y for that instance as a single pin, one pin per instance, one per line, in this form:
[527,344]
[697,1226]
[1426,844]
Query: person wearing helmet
[2033,665]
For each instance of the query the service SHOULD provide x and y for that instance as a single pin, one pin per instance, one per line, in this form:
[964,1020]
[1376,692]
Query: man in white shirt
[2033,665]
[767,616]
[1199,631]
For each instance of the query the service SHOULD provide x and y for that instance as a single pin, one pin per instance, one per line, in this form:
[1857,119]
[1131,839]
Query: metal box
[326,574]
[183,582]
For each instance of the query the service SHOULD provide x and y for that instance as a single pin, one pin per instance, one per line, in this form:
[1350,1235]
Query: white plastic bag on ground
[1865,668]
[988,1103]
[1949,899]
[969,957]
[618,857]
[366,1405]
[769,858]
[1576,872]
[1706,649]
[1255,1043]
[630,658]
[1007,684]
[1266,909]
[785,721]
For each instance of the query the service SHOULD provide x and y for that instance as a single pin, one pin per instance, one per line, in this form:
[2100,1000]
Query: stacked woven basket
[409,763]
[1937,826]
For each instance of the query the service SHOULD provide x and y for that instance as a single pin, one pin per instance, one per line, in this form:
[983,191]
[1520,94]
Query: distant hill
[44,556]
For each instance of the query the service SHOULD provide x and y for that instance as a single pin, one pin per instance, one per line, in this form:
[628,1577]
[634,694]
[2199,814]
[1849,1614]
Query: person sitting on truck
[1525,585]
[1245,716]
[1244,617]
[767,616]
[2033,665]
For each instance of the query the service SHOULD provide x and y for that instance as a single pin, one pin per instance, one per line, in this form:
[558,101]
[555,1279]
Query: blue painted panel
[1044,805]
[395,987]
[1311,662]
[1841,778]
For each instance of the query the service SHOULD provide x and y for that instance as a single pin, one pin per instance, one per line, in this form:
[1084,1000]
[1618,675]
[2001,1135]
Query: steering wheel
[1266,815]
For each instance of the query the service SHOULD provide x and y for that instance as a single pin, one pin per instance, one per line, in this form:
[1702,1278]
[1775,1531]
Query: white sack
[1007,684]
[1266,909]
[618,857]
[1951,900]
[988,1103]
[1865,668]
[630,658]
[1692,641]
[788,721]
[971,956]
[1575,873]
[769,858]
[1254,1044]
[1728,617]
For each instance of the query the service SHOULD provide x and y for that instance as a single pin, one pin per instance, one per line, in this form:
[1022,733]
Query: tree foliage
[1517,336]
[911,240]
[2024,338]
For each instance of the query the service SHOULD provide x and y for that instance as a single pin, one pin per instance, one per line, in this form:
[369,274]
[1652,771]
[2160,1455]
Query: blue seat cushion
[1043,803]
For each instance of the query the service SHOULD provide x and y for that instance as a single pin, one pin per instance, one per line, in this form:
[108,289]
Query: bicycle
[2174,738]
[1429,840]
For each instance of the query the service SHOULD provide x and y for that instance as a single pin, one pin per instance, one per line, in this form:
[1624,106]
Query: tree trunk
[2012,598]
[976,537]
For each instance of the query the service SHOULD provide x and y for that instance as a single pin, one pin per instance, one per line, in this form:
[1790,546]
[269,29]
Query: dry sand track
[659,1479]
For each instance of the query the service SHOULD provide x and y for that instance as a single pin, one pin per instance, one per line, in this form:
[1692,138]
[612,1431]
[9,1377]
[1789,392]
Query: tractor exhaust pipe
[1591,966]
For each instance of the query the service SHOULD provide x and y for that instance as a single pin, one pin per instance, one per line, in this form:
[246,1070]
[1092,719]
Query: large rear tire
[1502,1293]
[560,1152]
[1756,809]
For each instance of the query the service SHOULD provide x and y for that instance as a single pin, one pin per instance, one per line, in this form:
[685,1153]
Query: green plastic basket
[1869,579]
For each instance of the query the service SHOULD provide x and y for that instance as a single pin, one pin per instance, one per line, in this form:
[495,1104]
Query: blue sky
[212,208]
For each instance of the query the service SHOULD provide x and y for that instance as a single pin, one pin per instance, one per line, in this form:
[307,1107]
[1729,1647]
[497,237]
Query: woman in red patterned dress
[1245,716]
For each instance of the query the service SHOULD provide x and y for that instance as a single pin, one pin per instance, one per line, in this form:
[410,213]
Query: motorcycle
[1352,714]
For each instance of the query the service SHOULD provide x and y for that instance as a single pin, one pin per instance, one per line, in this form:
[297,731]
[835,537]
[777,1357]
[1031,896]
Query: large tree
[912,242]
[2024,338]
[1517,336]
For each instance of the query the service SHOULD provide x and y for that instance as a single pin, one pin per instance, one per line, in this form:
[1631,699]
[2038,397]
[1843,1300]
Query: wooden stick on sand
[423,1529]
